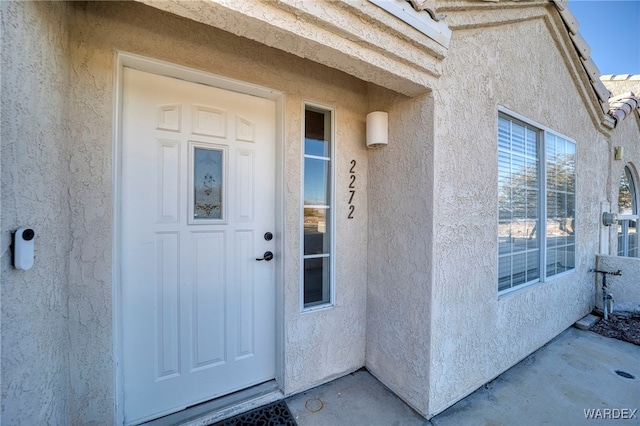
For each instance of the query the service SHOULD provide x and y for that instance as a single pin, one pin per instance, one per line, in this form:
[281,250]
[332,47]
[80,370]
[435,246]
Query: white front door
[197,202]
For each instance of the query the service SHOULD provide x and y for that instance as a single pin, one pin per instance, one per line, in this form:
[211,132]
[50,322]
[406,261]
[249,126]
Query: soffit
[356,37]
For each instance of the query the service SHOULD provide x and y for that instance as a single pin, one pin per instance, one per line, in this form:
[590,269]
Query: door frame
[142,63]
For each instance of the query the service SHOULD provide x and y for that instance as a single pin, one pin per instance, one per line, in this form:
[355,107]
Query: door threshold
[224,407]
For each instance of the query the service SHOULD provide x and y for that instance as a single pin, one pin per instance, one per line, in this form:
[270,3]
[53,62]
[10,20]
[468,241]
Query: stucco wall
[621,84]
[625,288]
[35,181]
[474,334]
[626,135]
[352,36]
[400,249]
[424,234]
[318,346]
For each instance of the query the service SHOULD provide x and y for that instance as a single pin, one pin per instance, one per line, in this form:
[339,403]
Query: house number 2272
[352,188]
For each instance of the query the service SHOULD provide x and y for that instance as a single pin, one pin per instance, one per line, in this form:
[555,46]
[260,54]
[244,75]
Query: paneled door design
[197,202]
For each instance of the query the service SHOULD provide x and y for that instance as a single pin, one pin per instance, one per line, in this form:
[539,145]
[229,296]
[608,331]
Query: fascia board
[592,70]
[570,21]
[601,90]
[438,31]
[581,44]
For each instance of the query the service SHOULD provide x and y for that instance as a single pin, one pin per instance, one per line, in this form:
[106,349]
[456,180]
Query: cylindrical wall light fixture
[377,129]
[618,153]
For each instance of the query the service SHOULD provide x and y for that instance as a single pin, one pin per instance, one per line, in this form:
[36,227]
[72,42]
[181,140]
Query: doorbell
[23,245]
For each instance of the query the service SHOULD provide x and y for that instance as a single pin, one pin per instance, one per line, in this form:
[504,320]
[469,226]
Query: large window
[536,204]
[317,209]
[627,216]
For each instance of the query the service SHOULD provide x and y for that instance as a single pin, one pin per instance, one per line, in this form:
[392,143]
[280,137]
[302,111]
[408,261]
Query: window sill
[317,308]
[512,291]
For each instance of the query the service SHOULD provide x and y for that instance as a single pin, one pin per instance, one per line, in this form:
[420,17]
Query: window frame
[542,187]
[331,218]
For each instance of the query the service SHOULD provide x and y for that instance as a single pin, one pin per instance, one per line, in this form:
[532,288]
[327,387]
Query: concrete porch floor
[570,378]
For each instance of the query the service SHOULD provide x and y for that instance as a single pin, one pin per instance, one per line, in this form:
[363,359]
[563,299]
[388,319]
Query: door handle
[267,256]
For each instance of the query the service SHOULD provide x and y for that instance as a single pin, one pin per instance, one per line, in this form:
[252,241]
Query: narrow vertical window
[317,208]
[627,216]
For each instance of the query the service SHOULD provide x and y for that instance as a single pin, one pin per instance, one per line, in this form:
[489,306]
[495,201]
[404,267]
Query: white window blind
[536,229]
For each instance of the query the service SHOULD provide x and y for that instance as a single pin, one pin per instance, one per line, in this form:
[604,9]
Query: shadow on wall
[624,288]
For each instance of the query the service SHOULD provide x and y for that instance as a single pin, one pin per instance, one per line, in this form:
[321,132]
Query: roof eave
[584,53]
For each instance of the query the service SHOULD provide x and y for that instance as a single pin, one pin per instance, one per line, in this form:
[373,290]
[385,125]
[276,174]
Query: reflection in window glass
[535,239]
[626,194]
[560,164]
[628,211]
[317,211]
[316,177]
[316,140]
[316,281]
[316,237]
[632,236]
[316,147]
[518,204]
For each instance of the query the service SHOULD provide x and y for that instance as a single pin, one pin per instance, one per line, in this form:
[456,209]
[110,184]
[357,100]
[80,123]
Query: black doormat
[274,414]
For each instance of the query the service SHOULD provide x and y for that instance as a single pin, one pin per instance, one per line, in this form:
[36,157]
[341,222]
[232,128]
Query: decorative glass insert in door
[207,184]
[317,209]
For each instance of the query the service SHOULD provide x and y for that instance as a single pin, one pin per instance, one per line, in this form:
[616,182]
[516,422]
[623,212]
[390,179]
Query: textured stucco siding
[400,249]
[474,334]
[416,268]
[627,136]
[351,36]
[34,182]
[318,346]
[620,84]
[624,288]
